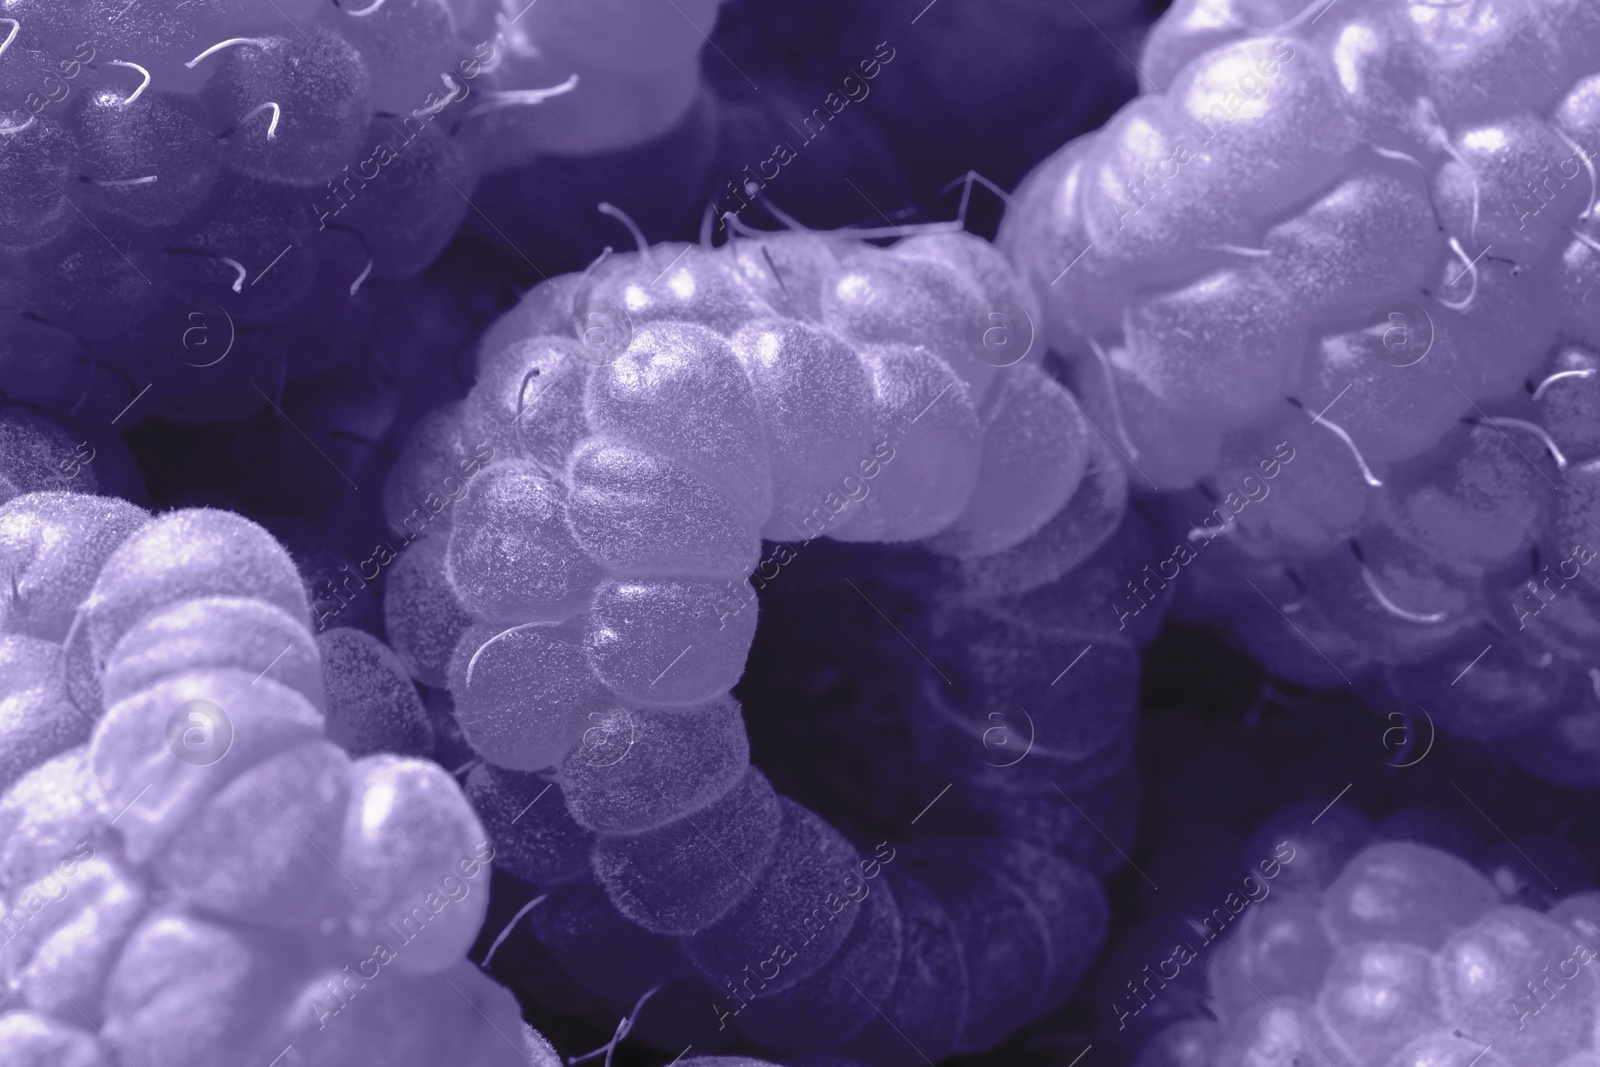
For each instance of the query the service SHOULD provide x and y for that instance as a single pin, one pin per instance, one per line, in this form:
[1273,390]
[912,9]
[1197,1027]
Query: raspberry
[663,878]
[514,559]
[613,781]
[1406,957]
[211,632]
[1412,258]
[372,705]
[37,154]
[53,544]
[421,615]
[146,851]
[812,875]
[537,842]
[38,454]
[279,877]
[190,554]
[614,36]
[406,45]
[643,426]
[223,164]
[403,835]
[162,134]
[1405,892]
[47,813]
[36,1040]
[523,696]
[813,394]
[835,1004]
[931,990]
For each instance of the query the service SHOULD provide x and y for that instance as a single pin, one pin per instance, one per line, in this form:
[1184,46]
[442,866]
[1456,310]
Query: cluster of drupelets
[584,599]
[1339,231]
[1387,897]
[1364,231]
[259,162]
[1389,954]
[191,869]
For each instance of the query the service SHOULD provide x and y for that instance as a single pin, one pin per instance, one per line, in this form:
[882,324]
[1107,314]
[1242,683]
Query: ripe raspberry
[1351,231]
[146,848]
[651,421]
